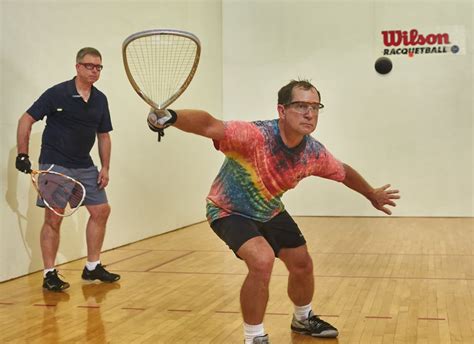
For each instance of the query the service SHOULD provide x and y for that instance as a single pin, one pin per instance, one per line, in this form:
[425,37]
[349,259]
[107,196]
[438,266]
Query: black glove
[158,120]
[23,163]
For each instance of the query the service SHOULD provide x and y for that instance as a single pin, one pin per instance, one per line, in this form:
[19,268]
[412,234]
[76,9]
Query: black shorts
[280,232]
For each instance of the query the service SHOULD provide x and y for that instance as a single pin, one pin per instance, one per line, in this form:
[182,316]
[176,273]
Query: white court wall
[412,127]
[154,187]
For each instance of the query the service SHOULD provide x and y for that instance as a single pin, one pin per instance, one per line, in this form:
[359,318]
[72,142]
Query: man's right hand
[23,163]
[160,119]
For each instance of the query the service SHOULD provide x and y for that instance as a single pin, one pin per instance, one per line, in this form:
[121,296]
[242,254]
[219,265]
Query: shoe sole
[97,279]
[326,334]
[55,290]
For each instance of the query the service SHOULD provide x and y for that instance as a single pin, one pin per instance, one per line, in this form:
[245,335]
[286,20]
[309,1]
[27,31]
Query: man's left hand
[383,196]
[103,179]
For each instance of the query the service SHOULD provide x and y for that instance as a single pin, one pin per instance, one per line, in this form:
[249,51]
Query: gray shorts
[87,176]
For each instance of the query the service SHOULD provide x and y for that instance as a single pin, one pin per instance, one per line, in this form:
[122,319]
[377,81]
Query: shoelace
[56,277]
[100,267]
[316,322]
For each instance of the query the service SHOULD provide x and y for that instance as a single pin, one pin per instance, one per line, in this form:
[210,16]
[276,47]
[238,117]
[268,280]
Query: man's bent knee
[258,255]
[51,220]
[99,212]
[297,260]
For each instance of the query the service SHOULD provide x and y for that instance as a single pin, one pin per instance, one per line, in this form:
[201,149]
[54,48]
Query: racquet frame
[35,173]
[186,83]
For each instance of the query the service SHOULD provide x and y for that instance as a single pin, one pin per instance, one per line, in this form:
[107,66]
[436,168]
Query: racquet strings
[60,192]
[160,64]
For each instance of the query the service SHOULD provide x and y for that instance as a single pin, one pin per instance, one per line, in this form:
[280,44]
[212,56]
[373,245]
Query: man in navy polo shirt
[76,113]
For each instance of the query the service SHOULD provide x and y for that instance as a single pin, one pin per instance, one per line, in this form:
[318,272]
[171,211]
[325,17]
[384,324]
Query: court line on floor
[328,253]
[377,317]
[285,275]
[169,261]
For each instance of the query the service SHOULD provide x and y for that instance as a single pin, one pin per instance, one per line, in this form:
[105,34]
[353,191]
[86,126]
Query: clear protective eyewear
[304,107]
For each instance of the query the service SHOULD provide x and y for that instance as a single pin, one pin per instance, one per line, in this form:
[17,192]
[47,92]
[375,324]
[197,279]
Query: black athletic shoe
[52,282]
[313,326]
[99,273]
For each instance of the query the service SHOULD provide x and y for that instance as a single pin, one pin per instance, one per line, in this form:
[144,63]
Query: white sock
[252,331]
[91,265]
[45,271]
[301,312]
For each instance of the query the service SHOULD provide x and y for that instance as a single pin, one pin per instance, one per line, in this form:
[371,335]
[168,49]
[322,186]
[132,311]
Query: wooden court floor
[378,280]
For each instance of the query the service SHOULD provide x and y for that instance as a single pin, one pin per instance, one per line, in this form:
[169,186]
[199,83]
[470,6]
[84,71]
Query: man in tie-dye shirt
[263,160]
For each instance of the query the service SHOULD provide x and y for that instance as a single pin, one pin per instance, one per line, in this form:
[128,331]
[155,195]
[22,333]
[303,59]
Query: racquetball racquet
[160,64]
[60,193]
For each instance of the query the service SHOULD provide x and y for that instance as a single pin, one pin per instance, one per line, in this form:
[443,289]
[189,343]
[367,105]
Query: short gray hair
[87,51]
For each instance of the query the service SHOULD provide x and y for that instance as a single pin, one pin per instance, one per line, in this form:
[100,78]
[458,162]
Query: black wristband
[173,119]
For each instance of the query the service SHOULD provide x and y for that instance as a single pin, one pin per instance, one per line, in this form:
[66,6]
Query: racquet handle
[162,118]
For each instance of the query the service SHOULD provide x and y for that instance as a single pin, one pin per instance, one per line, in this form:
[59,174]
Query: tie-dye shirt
[259,169]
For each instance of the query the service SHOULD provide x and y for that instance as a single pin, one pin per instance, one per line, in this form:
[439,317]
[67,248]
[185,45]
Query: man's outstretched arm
[379,197]
[192,121]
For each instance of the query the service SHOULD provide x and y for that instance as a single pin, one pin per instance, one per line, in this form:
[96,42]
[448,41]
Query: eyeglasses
[304,107]
[91,66]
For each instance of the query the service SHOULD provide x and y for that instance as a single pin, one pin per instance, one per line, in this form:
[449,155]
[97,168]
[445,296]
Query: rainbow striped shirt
[259,169]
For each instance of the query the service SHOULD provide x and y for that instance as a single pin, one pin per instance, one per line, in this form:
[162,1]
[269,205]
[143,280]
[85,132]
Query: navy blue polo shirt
[71,124]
